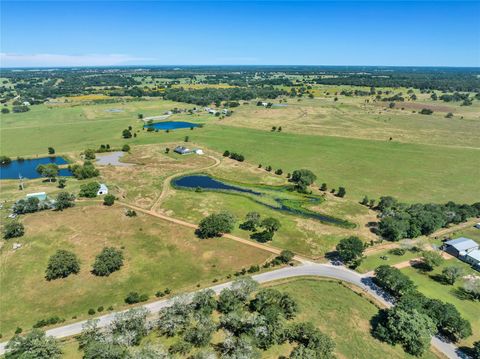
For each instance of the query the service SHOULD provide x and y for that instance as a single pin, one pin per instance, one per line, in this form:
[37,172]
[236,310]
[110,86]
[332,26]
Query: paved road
[364,282]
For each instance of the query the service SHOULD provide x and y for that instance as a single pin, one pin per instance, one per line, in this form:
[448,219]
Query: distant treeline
[204,97]
[131,81]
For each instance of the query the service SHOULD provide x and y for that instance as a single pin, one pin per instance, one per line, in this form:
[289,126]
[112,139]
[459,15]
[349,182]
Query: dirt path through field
[181,222]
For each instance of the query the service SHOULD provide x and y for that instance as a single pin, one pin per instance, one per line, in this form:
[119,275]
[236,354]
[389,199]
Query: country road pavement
[364,282]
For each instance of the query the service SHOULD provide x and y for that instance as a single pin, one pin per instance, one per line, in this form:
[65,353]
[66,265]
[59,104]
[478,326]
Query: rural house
[465,249]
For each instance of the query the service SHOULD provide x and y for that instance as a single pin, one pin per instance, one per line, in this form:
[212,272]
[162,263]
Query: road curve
[364,282]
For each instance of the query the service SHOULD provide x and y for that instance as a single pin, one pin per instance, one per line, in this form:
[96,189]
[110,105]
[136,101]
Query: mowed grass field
[335,309]
[158,255]
[424,172]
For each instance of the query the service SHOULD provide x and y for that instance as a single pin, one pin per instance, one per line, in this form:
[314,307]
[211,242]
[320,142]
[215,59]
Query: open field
[372,165]
[158,255]
[433,289]
[335,309]
[351,117]
[411,172]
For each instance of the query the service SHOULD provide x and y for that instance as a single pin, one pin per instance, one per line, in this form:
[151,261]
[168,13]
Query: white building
[103,189]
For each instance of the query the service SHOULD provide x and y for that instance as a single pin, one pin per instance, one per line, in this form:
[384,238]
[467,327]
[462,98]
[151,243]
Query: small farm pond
[208,183]
[171,125]
[27,168]
[294,207]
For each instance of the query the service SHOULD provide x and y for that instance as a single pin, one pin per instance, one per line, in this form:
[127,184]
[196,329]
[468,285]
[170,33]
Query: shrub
[13,230]
[91,311]
[130,213]
[109,200]
[61,265]
[89,154]
[89,190]
[64,200]
[108,261]
[426,111]
[285,256]
[135,297]
[125,148]
[397,251]
[50,321]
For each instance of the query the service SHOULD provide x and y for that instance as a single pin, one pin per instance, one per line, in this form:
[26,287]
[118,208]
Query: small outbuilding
[103,189]
[42,196]
[182,150]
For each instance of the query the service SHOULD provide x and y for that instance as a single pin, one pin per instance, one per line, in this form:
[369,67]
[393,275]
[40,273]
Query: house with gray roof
[460,246]
[465,249]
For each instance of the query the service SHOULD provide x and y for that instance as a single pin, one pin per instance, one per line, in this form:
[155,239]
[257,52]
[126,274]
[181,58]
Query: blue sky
[69,33]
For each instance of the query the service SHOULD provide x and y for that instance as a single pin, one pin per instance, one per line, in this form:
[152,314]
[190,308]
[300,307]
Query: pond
[293,207]
[208,183]
[171,125]
[27,168]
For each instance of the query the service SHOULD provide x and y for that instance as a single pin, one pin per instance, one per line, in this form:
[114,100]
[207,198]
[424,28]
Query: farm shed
[459,247]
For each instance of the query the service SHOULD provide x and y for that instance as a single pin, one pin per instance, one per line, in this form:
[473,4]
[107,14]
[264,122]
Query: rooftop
[462,243]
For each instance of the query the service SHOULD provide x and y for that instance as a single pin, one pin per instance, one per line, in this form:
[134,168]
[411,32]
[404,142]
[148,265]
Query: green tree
[13,230]
[64,200]
[410,329]
[364,201]
[50,171]
[109,200]
[35,345]
[323,187]
[108,261]
[125,148]
[204,302]
[252,221]
[62,264]
[451,273]
[89,190]
[270,224]
[431,259]
[393,280]
[51,151]
[350,250]
[216,224]
[302,179]
[87,170]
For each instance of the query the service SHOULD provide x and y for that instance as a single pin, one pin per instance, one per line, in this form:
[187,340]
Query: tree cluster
[415,318]
[400,220]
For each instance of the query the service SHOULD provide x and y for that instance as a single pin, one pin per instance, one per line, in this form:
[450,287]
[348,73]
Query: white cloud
[48,60]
